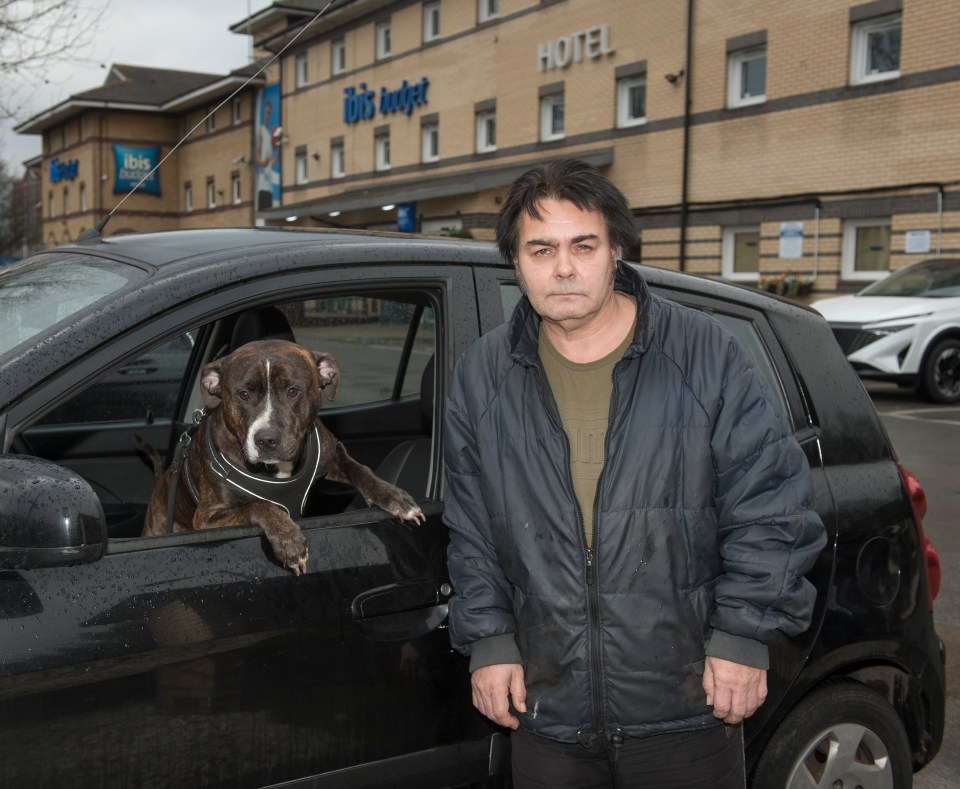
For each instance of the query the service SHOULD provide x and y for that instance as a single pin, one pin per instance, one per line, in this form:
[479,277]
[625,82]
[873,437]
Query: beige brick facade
[816,148]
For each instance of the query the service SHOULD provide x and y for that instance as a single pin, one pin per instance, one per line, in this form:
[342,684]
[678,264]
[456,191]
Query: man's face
[565,263]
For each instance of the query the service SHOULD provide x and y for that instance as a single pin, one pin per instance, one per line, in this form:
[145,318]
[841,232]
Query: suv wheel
[940,376]
[843,734]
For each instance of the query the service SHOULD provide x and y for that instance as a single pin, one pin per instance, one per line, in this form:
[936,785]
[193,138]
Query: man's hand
[734,691]
[492,685]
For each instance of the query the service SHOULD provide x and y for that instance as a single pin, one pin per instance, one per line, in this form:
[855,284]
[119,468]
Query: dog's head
[268,393]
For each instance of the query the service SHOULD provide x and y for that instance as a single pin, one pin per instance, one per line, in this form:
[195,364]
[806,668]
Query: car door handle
[401,611]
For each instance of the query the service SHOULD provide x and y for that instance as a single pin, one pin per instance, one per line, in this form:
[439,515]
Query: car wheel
[843,734]
[940,376]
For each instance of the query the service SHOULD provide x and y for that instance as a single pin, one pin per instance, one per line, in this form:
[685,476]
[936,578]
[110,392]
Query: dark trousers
[705,759]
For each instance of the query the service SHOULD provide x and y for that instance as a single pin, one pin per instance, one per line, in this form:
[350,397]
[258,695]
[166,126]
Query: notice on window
[918,242]
[791,239]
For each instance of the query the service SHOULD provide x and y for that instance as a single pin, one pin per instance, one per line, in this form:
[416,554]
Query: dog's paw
[290,547]
[401,505]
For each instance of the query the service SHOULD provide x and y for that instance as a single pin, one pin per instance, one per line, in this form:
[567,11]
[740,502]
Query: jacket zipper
[593,589]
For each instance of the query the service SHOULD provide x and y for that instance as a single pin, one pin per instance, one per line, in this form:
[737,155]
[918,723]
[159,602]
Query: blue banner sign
[63,171]
[132,164]
[361,103]
[407,217]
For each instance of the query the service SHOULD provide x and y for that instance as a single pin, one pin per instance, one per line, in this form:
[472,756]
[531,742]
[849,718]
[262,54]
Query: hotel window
[83,127]
[301,69]
[338,56]
[487,10]
[338,160]
[51,206]
[187,196]
[431,21]
[874,43]
[235,188]
[66,201]
[866,249]
[83,197]
[211,193]
[486,112]
[631,94]
[383,39]
[747,69]
[429,138]
[551,112]
[237,110]
[381,146]
[300,164]
[741,253]
[211,119]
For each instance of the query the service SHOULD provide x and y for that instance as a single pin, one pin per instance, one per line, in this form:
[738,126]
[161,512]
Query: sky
[174,34]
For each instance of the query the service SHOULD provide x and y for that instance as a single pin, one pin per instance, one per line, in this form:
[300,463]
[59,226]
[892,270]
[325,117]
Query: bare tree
[35,35]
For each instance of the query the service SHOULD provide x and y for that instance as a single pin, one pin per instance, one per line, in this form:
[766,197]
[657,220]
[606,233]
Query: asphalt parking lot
[926,438]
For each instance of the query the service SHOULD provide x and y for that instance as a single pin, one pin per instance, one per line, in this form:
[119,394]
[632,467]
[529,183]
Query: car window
[145,389]
[368,337]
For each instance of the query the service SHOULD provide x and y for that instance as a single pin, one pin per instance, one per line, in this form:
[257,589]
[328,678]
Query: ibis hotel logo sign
[592,43]
[362,103]
[134,164]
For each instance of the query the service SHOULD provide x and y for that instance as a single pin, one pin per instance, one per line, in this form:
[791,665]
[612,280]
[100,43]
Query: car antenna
[95,232]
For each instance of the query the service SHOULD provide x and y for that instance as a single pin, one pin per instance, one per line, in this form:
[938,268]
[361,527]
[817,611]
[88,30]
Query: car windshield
[50,288]
[934,279]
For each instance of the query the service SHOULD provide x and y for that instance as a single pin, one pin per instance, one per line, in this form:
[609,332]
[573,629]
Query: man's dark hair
[573,181]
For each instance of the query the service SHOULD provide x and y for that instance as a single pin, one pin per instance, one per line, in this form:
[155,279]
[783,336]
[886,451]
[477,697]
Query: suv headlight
[886,331]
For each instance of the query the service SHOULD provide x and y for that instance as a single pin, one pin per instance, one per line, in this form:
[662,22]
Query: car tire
[841,734]
[940,376]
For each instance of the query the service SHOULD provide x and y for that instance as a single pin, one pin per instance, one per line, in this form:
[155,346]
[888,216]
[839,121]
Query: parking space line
[918,415]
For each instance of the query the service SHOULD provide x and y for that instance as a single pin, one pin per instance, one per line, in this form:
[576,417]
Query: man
[630,515]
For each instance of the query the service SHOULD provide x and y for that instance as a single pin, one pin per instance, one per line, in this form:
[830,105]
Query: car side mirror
[49,516]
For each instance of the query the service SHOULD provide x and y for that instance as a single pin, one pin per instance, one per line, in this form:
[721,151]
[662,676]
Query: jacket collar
[524,330]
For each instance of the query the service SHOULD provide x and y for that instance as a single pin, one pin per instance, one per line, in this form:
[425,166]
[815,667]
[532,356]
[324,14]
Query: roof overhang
[72,106]
[452,184]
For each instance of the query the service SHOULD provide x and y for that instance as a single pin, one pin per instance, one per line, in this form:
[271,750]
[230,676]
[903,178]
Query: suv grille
[852,338]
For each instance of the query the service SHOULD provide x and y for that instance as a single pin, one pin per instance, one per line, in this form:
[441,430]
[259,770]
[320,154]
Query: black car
[197,660]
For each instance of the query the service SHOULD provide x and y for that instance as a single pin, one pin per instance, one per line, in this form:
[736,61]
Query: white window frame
[859,48]
[484,143]
[487,10]
[338,159]
[729,249]
[430,142]
[547,106]
[301,70]
[187,197]
[235,189]
[849,253]
[624,87]
[431,21]
[735,82]
[381,146]
[211,120]
[300,169]
[384,44]
[338,56]
[211,194]
[237,110]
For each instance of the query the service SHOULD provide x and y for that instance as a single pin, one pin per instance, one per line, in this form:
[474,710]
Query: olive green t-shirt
[583,393]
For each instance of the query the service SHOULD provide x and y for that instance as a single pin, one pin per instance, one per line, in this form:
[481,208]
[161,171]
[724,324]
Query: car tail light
[931,562]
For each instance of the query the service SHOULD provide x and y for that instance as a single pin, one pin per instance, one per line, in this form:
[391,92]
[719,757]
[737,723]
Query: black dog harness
[290,493]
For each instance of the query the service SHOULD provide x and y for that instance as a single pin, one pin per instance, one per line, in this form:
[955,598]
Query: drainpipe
[685,183]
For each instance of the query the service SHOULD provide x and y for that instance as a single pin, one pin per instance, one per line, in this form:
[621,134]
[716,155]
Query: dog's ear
[329,369]
[210,384]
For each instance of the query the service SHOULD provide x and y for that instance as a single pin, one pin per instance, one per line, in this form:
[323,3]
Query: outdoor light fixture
[334,213]
[292,218]
[389,207]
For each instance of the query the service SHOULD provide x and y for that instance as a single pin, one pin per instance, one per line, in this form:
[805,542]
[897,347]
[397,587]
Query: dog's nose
[267,439]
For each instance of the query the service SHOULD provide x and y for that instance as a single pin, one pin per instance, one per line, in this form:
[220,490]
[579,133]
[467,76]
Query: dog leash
[179,465]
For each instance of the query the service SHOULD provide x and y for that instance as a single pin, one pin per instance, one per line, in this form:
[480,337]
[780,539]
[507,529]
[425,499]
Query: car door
[197,660]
